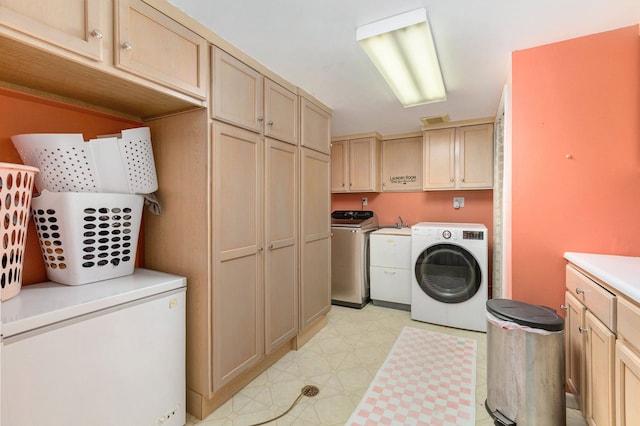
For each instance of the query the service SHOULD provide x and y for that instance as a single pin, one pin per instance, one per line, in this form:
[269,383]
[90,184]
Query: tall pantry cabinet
[263,279]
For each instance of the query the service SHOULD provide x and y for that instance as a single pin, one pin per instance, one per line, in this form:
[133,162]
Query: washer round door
[448,273]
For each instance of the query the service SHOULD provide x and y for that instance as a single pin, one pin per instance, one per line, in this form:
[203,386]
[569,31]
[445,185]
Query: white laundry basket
[122,163]
[16,186]
[87,237]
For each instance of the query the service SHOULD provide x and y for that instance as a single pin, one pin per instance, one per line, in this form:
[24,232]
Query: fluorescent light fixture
[402,49]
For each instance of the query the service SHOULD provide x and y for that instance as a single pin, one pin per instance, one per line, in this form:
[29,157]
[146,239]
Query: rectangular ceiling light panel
[402,49]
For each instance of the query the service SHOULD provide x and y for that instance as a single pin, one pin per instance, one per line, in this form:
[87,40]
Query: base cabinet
[600,347]
[574,346]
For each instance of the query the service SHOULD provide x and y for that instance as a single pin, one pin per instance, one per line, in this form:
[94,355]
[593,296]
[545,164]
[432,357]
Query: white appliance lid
[39,305]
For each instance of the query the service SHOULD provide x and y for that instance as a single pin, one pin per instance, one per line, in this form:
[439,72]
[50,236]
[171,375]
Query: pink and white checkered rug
[428,378]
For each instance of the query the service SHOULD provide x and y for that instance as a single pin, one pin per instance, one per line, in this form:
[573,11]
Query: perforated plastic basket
[16,186]
[117,164]
[87,237]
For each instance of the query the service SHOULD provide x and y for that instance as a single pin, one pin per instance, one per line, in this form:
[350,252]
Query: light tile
[341,360]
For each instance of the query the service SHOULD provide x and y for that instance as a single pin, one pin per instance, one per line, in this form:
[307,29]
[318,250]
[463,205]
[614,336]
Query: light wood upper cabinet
[315,123]
[355,164]
[439,159]
[475,156]
[280,112]
[237,92]
[244,97]
[153,46]
[74,26]
[459,158]
[402,164]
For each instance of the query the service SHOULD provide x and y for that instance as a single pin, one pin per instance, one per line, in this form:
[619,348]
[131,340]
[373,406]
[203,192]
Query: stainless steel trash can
[525,364]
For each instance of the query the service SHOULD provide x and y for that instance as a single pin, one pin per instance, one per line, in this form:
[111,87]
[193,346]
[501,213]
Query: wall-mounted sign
[402,180]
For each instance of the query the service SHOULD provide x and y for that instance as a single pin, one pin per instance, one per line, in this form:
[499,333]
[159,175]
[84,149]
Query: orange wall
[20,113]
[580,98]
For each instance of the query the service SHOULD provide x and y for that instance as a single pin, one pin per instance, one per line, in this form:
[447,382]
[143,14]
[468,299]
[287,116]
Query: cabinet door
[153,46]
[475,156]
[364,155]
[439,159]
[339,166]
[600,372]
[627,386]
[575,347]
[280,112]
[315,124]
[402,164]
[238,308]
[74,26]
[237,92]
[281,237]
[315,235]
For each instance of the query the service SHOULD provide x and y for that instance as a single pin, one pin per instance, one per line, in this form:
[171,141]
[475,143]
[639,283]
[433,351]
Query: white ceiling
[312,44]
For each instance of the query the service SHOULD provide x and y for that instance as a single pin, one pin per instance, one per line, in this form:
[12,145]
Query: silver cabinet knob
[261,249]
[261,119]
[579,291]
[97,34]
[126,46]
[564,307]
[270,246]
[451,180]
[270,123]
[582,330]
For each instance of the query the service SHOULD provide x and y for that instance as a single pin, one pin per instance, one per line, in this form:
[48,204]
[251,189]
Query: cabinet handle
[451,180]
[579,291]
[126,46]
[97,34]
[261,119]
[270,246]
[390,272]
[563,307]
[582,330]
[270,123]
[462,180]
[261,249]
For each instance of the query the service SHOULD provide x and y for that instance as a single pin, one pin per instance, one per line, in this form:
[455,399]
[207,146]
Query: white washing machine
[449,283]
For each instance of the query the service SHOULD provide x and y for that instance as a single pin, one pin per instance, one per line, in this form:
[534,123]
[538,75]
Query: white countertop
[394,231]
[621,272]
[42,304]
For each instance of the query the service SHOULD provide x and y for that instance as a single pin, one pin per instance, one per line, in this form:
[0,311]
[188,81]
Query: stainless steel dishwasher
[350,256]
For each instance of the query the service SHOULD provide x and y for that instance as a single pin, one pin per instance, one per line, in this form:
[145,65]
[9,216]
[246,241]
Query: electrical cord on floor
[308,390]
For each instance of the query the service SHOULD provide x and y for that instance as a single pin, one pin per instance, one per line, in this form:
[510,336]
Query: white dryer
[449,283]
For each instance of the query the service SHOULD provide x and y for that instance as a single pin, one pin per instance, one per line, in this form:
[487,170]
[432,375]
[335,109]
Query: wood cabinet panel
[73,25]
[627,366]
[237,91]
[599,372]
[575,342]
[153,46]
[458,158]
[315,124]
[598,300]
[280,112]
[355,164]
[475,158]
[402,164]
[237,296]
[315,234]
[281,237]
[439,159]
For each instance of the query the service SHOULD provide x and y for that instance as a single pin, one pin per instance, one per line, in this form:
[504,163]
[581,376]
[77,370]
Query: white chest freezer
[106,353]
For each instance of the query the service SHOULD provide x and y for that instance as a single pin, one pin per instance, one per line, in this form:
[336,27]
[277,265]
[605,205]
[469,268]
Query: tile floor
[341,360]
